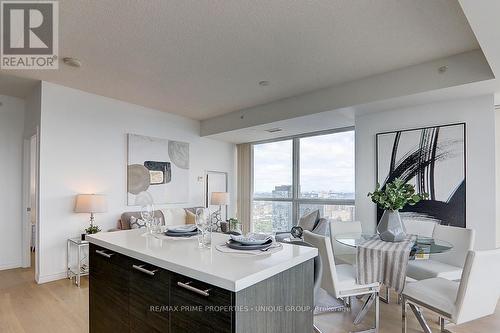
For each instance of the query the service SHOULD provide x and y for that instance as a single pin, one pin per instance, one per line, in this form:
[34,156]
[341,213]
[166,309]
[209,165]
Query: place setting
[182,231]
[179,232]
[250,244]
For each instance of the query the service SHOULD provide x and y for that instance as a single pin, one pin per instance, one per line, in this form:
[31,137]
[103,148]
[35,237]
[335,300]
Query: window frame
[296,200]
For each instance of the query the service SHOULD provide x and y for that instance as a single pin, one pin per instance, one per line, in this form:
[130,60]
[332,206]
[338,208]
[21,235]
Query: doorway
[30,203]
[215,181]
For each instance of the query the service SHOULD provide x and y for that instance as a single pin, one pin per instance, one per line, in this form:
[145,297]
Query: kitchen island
[140,283]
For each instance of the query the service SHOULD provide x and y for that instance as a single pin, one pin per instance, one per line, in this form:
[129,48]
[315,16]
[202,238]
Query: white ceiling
[204,58]
[322,121]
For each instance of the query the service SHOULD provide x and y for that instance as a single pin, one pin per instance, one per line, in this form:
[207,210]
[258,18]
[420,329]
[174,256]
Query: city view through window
[323,166]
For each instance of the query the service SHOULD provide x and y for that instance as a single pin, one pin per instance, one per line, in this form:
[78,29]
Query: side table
[77,260]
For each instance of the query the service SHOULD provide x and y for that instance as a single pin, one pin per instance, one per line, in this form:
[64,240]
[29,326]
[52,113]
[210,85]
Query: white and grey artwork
[157,171]
[433,160]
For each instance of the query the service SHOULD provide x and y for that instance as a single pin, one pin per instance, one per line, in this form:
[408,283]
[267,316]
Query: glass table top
[78,241]
[426,245]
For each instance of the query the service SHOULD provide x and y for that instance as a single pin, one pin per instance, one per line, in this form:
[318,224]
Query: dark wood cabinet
[128,295]
[200,307]
[149,298]
[108,291]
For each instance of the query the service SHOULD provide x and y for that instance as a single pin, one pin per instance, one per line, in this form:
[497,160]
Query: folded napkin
[183,228]
[251,238]
[275,247]
[384,262]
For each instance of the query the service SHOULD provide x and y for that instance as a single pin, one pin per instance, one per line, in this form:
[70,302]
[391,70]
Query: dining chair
[449,264]
[419,227]
[340,280]
[474,297]
[344,254]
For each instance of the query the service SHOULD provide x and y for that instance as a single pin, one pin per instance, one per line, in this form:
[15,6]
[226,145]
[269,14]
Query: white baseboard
[10,266]
[51,277]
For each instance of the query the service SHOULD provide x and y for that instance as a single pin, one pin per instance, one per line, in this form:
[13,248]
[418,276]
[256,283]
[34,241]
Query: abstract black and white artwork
[157,171]
[433,160]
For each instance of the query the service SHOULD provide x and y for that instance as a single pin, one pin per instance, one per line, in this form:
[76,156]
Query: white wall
[497,160]
[11,167]
[32,128]
[478,114]
[83,149]
[32,111]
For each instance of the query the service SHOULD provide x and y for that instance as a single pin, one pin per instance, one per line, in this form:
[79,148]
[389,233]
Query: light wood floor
[59,306]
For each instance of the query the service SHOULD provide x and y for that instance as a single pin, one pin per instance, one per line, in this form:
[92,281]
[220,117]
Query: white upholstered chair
[343,253]
[475,296]
[419,227]
[449,264]
[340,280]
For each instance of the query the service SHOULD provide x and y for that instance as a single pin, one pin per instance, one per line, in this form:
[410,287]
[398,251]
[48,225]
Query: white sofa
[170,216]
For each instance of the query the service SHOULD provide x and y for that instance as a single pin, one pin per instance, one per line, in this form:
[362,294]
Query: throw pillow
[322,227]
[190,217]
[308,221]
[136,223]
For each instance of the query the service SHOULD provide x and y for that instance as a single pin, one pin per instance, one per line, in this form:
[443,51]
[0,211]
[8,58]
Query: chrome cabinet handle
[104,254]
[189,287]
[141,268]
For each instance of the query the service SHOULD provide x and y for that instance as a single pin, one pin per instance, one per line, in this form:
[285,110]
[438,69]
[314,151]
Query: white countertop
[229,271]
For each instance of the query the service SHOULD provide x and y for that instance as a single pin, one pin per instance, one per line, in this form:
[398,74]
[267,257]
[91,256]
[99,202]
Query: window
[297,175]
[272,173]
[272,183]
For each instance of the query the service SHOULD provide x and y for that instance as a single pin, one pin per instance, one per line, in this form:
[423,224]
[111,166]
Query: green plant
[93,229]
[233,223]
[396,195]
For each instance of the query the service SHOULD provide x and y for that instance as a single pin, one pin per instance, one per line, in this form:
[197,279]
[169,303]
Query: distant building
[282,191]
[269,216]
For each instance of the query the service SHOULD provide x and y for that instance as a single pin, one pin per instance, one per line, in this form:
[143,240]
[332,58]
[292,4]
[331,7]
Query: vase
[390,227]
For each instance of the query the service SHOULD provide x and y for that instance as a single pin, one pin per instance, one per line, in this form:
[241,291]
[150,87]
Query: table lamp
[91,203]
[219,199]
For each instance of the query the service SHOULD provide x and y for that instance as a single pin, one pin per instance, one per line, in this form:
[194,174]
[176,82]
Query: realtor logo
[29,37]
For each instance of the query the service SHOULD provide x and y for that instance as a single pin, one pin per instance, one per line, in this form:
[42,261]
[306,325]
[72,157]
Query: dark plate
[181,234]
[238,246]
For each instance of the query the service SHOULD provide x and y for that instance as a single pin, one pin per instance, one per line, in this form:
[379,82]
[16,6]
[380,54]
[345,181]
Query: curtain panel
[244,185]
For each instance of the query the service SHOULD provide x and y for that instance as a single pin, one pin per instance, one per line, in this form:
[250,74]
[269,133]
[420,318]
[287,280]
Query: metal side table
[77,260]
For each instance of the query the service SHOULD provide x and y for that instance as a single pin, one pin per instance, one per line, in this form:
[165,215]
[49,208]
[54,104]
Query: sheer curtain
[244,184]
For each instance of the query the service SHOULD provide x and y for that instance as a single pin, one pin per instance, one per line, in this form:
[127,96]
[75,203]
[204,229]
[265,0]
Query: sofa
[169,216]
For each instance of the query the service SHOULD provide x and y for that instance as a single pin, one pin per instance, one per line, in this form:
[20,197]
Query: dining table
[423,245]
[421,249]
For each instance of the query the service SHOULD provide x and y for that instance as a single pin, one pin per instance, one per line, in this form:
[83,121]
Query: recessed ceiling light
[264,83]
[73,62]
[442,69]
[274,130]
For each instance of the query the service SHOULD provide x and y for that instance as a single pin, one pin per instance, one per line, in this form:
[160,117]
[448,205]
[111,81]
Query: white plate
[182,228]
[251,239]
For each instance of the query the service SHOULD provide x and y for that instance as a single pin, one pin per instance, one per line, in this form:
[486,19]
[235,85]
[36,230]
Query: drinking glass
[159,225]
[205,234]
[147,215]
[155,225]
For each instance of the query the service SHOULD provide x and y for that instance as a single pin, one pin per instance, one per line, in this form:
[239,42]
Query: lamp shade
[91,203]
[219,198]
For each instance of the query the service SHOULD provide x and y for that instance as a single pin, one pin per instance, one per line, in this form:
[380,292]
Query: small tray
[238,246]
